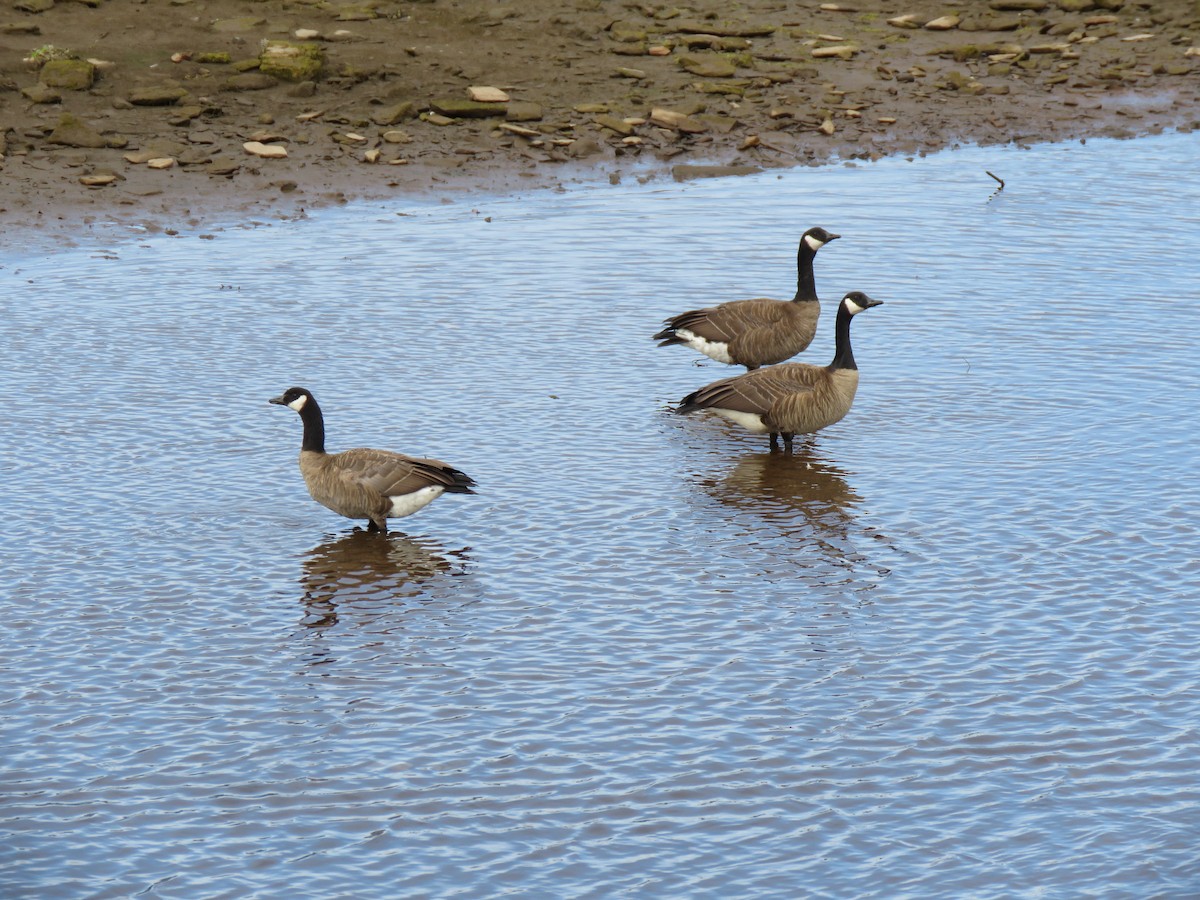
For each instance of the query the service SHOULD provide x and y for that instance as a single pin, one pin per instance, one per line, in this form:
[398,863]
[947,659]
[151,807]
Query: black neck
[843,354]
[314,426]
[806,286]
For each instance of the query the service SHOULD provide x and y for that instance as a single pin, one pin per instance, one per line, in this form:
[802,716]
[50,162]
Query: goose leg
[787,441]
[379,525]
[774,441]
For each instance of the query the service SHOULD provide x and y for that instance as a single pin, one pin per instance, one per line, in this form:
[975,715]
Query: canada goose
[793,398]
[367,484]
[756,332]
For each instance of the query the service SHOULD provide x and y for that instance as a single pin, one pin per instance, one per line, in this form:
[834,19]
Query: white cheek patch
[813,243]
[750,421]
[854,308]
[717,350]
[407,504]
[298,403]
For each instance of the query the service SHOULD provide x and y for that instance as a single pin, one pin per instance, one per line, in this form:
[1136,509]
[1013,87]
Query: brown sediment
[374,100]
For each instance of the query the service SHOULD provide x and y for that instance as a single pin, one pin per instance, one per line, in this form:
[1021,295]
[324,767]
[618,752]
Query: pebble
[266,151]
[484,94]
[943,23]
[96,180]
[840,51]
[162,162]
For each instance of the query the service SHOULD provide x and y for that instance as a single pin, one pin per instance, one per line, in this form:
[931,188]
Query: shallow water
[945,650]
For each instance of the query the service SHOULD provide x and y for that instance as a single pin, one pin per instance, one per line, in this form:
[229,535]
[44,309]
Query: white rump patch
[813,244]
[298,403]
[407,504]
[718,350]
[750,421]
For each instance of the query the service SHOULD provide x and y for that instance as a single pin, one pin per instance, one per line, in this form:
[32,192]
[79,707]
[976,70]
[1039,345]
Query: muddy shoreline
[172,117]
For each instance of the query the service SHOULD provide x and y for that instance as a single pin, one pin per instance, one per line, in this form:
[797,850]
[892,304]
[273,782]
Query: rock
[29,28]
[666,118]
[520,130]
[194,156]
[908,21]
[41,93]
[157,95]
[658,50]
[97,180]
[724,29]
[438,119]
[33,6]
[292,62]
[223,165]
[155,150]
[220,58]
[690,172]
[390,115]
[826,127]
[303,89]
[1019,5]
[838,51]
[626,32]
[371,156]
[397,137]
[266,151]
[484,94]
[943,23]
[243,23]
[306,34]
[161,162]
[249,81]
[69,74]
[246,65]
[623,72]
[708,66]
[620,126]
[523,112]
[71,131]
[466,109]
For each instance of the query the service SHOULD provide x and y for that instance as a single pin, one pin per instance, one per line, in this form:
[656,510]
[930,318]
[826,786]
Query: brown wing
[754,392]
[727,321]
[392,474]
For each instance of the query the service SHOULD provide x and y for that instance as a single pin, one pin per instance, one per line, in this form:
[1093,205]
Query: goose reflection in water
[361,566]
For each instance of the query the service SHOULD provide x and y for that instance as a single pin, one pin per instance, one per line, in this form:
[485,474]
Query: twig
[1001,180]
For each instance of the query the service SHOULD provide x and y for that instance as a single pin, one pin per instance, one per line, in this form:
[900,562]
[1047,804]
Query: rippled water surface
[947,649]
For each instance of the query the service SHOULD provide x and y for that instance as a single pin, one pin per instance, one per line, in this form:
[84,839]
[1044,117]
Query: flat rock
[241,23]
[724,29]
[707,66]
[943,23]
[71,131]
[266,151]
[41,93]
[97,180]
[68,74]
[466,109]
[157,95]
[249,81]
[690,172]
[223,165]
[293,62]
[398,112]
[161,162]
[666,118]
[33,6]
[484,94]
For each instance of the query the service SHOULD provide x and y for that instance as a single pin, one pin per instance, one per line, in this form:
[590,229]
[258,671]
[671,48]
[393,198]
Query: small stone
[292,62]
[710,66]
[249,81]
[158,95]
[161,162]
[303,89]
[826,127]
[71,131]
[355,138]
[839,51]
[943,23]
[41,93]
[371,156]
[97,180]
[1019,5]
[614,124]
[306,34]
[466,109]
[1133,38]
[68,74]
[658,50]
[523,111]
[483,94]
[397,137]
[887,120]
[33,6]
[623,72]
[266,151]
[217,58]
[223,165]
[390,115]
[434,118]
[243,23]
[908,21]
[520,130]
[666,118]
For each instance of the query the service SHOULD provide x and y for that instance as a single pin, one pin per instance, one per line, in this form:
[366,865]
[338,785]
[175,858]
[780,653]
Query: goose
[367,484]
[792,398]
[756,332]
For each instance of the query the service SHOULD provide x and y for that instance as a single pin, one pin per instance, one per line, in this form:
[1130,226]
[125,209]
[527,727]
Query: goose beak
[278,401]
[868,302]
[833,237]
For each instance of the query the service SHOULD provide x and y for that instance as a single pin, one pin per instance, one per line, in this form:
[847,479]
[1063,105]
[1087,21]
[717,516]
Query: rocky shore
[172,115]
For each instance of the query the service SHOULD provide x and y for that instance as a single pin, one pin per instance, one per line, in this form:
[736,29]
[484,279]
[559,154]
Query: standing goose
[793,398]
[756,332]
[367,484]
